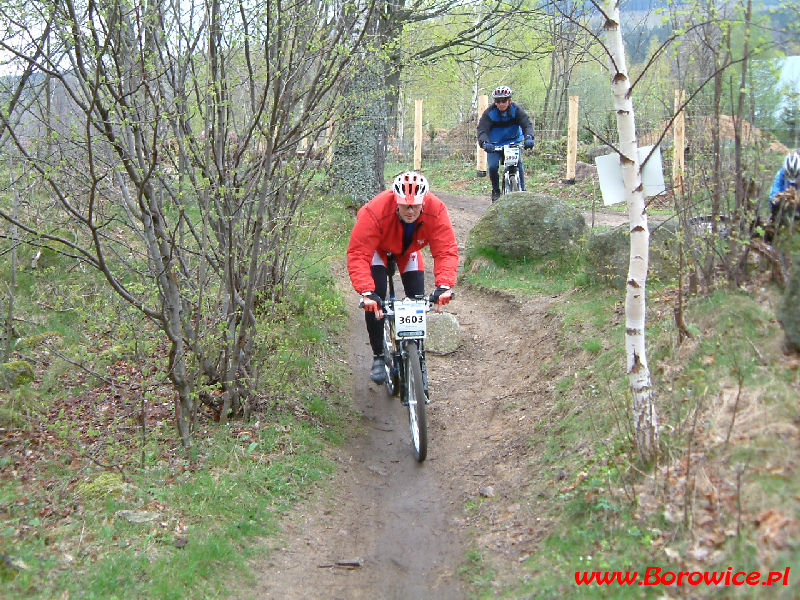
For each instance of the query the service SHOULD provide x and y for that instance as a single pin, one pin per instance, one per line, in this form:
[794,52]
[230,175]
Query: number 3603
[411,319]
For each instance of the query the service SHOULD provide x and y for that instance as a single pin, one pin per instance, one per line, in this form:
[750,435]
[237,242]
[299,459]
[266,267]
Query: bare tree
[570,46]
[716,53]
[176,171]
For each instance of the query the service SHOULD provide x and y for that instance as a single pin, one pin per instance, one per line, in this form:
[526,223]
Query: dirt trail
[390,528]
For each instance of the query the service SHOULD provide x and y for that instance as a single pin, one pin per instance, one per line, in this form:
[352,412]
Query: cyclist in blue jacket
[787,177]
[502,123]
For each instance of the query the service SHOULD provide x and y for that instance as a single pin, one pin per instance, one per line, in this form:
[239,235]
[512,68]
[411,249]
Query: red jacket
[379,229]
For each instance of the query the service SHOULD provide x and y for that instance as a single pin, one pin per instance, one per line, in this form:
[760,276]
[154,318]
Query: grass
[477,573]
[216,509]
[93,506]
[611,517]
[487,268]
[459,176]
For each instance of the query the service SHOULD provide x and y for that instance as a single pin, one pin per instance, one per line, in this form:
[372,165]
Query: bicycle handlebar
[429,299]
[510,144]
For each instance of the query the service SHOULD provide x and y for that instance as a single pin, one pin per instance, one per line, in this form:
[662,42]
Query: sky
[790,73]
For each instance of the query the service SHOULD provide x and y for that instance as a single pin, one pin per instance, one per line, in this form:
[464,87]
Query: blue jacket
[781,184]
[503,127]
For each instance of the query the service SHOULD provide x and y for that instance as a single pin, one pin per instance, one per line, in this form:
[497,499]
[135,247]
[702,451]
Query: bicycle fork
[401,358]
[424,373]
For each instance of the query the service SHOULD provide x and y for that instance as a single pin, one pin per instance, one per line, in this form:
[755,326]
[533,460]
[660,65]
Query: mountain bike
[404,330]
[512,155]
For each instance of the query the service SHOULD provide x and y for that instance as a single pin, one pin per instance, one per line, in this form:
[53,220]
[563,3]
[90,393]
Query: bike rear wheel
[415,396]
[392,387]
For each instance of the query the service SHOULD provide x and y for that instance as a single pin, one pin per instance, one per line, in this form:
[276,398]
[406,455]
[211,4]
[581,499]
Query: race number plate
[510,156]
[409,319]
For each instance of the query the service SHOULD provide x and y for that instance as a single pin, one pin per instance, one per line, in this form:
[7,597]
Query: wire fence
[454,136]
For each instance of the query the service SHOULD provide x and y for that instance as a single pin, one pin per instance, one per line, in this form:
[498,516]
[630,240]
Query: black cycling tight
[413,285]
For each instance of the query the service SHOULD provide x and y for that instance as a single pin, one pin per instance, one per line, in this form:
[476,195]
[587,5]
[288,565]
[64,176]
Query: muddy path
[390,528]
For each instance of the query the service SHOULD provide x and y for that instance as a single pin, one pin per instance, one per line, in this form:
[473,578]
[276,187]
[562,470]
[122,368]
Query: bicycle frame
[400,345]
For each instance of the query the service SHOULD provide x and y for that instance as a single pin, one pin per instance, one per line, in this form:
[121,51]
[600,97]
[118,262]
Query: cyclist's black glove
[371,301]
[528,141]
[488,146]
[437,297]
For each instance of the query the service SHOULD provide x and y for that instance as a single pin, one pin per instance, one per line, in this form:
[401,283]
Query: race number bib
[510,156]
[409,319]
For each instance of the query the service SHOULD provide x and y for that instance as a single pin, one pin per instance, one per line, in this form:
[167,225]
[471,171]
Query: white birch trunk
[645,419]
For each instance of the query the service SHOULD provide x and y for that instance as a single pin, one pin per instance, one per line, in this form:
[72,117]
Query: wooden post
[329,142]
[418,134]
[302,147]
[678,143]
[480,155]
[572,139]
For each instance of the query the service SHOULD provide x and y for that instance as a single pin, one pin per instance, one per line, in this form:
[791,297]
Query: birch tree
[645,418]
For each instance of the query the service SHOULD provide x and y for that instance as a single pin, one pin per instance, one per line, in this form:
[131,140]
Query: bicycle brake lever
[383,304]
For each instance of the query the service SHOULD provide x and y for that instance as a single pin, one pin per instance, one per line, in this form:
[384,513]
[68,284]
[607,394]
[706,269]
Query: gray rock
[584,171]
[596,151]
[487,491]
[137,516]
[789,307]
[608,254]
[524,224]
[444,333]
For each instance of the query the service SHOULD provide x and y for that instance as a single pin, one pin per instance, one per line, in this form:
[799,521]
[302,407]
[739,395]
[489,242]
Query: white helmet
[791,166]
[410,188]
[501,92]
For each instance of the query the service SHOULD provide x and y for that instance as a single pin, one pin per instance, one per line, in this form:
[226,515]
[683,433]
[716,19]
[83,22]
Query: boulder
[608,254]
[15,373]
[595,151]
[789,307]
[444,333]
[524,224]
[585,171]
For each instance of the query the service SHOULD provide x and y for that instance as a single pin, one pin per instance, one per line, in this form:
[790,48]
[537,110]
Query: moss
[104,484]
[34,341]
[15,373]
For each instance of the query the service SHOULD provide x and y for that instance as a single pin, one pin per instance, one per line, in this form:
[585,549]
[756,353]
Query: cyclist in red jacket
[401,222]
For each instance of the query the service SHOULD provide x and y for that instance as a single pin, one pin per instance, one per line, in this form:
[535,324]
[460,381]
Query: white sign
[610,174]
[409,318]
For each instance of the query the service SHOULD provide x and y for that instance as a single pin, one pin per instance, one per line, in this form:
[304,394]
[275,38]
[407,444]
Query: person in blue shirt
[787,178]
[502,123]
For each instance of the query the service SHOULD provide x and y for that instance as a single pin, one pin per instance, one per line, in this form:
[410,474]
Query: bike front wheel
[415,397]
[513,182]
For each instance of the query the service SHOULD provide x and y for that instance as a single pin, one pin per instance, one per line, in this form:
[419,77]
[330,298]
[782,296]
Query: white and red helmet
[501,92]
[410,188]
[791,166]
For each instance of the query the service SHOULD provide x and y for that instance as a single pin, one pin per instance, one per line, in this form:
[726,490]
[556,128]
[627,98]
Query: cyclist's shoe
[378,371]
[495,195]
